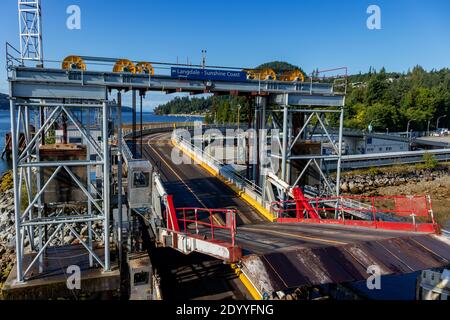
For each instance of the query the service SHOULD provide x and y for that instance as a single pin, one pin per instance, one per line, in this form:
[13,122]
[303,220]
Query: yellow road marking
[181,179]
[246,282]
[292,235]
[242,277]
[263,211]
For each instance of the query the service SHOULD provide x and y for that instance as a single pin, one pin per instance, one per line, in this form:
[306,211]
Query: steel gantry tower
[300,130]
[30,30]
[43,213]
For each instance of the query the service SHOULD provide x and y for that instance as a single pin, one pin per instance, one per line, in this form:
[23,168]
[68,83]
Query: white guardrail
[222,169]
[392,158]
[446,233]
[242,183]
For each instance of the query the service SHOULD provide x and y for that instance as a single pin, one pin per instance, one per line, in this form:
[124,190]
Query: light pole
[437,121]
[428,126]
[239,115]
[370,125]
[239,131]
[407,128]
[203,58]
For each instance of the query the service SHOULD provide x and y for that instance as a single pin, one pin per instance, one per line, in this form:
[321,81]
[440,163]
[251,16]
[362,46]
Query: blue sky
[309,33]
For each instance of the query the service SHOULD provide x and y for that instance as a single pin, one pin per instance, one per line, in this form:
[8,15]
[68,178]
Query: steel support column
[119,174]
[106,184]
[255,143]
[133,104]
[284,150]
[89,204]
[17,187]
[141,94]
[339,161]
[263,145]
[40,120]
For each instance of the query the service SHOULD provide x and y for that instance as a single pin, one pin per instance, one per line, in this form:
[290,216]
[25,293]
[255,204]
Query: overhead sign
[208,74]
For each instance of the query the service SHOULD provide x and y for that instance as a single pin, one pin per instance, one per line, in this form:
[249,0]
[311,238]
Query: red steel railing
[203,221]
[384,212]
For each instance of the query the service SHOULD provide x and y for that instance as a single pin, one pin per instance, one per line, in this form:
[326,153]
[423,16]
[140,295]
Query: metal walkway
[64,84]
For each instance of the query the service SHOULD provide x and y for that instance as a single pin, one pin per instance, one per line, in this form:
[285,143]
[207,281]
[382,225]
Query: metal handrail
[127,154]
[222,167]
[446,233]
[230,224]
[350,205]
[10,58]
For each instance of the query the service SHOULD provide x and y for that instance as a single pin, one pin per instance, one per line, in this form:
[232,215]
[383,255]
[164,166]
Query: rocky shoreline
[363,183]
[7,234]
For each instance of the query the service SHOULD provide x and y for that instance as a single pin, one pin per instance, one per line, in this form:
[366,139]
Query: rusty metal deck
[280,257]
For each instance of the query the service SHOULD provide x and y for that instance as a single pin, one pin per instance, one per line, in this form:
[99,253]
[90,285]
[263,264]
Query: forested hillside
[390,100]
[219,109]
[185,105]
[387,100]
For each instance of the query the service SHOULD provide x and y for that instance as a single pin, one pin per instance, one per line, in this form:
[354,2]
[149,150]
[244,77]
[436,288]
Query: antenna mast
[30,30]
[203,58]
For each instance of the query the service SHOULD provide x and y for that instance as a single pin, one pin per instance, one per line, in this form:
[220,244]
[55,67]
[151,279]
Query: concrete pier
[52,282]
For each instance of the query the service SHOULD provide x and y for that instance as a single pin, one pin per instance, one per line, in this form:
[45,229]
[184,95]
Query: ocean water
[149,117]
[4,128]
[127,118]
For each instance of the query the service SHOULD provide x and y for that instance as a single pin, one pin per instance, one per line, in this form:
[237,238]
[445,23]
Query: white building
[372,144]
[365,144]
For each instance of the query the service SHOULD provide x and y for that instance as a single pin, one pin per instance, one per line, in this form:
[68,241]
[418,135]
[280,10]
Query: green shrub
[373,171]
[7,182]
[50,138]
[429,161]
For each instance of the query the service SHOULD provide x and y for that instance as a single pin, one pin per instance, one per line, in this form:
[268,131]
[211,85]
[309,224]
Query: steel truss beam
[312,124]
[31,213]
[54,83]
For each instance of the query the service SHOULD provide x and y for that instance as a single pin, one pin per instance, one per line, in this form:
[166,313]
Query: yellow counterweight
[261,74]
[73,63]
[124,65]
[292,75]
[145,68]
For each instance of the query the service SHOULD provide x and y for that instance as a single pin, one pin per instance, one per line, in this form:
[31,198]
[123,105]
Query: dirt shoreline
[438,190]
[405,180]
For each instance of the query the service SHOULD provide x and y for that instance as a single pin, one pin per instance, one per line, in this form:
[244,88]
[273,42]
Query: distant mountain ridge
[391,101]
[4,102]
